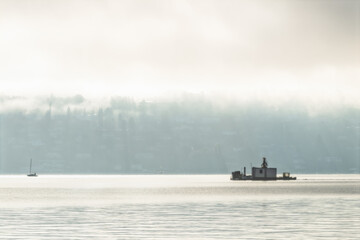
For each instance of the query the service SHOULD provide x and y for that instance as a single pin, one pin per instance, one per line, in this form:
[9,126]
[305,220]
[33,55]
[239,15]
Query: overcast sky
[245,48]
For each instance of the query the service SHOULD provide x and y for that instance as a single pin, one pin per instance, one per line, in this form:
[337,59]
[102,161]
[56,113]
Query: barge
[261,173]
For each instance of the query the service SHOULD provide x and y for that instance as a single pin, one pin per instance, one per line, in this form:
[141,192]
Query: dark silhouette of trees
[184,135]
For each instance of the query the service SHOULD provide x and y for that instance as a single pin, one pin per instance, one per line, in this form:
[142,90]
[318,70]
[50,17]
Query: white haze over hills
[179,86]
[268,49]
[188,134]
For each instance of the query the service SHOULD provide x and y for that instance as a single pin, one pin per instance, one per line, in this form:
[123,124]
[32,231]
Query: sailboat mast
[30,164]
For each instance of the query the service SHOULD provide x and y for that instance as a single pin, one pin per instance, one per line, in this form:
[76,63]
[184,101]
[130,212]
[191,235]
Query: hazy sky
[246,48]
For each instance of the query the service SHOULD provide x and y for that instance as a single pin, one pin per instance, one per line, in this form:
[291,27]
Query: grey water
[178,207]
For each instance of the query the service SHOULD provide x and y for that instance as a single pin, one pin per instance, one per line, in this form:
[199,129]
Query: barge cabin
[261,173]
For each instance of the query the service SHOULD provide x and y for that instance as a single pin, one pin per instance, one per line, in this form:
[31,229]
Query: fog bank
[191,134]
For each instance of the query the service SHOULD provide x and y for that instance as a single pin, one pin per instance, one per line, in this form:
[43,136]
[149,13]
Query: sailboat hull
[30,173]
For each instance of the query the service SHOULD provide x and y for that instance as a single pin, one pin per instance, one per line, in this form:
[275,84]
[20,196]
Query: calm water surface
[179,207]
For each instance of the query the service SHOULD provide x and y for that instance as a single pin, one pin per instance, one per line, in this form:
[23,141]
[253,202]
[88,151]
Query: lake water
[178,207]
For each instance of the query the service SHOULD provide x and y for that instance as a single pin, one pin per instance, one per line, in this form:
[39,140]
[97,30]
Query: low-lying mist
[189,133]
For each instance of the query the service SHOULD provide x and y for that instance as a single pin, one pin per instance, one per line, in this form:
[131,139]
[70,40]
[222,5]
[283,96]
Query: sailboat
[30,173]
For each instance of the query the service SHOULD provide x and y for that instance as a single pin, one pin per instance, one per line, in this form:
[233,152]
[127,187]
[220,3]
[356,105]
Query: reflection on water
[179,207]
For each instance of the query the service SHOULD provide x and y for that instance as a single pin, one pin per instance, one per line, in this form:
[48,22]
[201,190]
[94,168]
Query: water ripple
[186,211]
